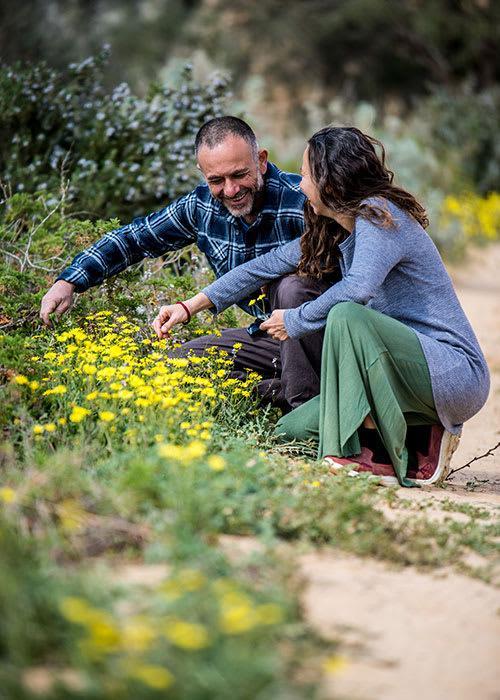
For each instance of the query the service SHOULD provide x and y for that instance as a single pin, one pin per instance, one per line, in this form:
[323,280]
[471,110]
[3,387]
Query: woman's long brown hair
[347,170]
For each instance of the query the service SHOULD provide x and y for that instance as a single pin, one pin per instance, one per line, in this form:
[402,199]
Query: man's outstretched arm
[150,236]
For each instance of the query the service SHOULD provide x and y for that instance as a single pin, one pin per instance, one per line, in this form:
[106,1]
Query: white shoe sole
[449,444]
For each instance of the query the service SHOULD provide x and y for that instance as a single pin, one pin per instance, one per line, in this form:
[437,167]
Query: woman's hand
[275,325]
[168,317]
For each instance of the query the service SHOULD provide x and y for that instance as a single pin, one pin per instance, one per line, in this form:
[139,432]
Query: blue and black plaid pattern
[197,218]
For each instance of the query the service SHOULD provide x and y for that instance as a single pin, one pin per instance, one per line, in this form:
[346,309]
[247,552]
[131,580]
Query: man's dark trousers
[290,369]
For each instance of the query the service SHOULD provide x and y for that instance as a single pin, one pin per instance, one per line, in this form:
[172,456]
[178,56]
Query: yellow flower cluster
[129,638]
[477,217]
[105,376]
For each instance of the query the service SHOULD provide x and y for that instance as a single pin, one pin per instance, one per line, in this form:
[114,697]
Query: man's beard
[252,193]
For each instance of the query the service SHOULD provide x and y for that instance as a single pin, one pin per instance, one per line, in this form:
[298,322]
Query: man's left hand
[275,325]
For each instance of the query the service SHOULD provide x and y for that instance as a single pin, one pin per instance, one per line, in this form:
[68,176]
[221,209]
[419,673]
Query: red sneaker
[363,463]
[433,463]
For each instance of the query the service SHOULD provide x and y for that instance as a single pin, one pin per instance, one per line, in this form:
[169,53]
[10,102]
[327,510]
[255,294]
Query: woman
[398,348]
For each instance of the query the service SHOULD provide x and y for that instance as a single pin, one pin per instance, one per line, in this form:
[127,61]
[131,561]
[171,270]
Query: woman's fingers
[163,316]
[275,325]
[168,317]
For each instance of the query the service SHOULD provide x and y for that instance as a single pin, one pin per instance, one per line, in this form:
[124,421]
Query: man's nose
[231,189]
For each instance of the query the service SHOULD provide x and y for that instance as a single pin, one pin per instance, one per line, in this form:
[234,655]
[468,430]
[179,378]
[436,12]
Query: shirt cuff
[216,299]
[76,277]
[292,323]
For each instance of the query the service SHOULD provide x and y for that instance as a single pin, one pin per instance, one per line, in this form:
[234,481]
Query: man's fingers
[62,307]
[46,309]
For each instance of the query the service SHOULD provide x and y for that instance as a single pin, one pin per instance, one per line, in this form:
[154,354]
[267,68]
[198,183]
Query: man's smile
[237,198]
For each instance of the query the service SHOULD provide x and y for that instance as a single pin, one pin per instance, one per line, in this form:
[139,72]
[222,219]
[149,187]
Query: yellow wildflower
[89,369]
[237,619]
[156,677]
[107,416]
[187,635]
[216,462]
[75,609]
[59,389]
[7,495]
[137,635]
[38,429]
[50,427]
[78,414]
[334,664]
[21,379]
[72,516]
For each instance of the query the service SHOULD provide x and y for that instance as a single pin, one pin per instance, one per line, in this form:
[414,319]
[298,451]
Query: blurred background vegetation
[421,75]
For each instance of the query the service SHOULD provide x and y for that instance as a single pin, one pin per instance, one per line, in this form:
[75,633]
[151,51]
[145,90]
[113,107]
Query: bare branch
[476,459]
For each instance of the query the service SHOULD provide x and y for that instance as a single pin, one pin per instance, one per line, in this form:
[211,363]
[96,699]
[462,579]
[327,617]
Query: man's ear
[263,161]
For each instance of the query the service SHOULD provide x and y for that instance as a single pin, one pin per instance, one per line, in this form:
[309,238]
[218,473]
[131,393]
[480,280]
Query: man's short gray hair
[215,131]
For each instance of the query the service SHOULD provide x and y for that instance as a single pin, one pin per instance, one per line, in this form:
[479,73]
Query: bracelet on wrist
[186,310]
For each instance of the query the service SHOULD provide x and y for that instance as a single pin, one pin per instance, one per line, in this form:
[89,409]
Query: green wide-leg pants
[373,365]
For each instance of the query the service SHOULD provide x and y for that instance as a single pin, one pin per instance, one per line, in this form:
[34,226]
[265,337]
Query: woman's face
[309,188]
[311,191]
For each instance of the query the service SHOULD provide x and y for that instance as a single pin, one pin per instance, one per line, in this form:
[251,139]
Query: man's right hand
[58,300]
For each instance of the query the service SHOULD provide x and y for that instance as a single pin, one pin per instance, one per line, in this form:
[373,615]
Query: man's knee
[293,290]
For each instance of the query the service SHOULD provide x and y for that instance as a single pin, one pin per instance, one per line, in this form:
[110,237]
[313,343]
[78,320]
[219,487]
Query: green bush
[122,155]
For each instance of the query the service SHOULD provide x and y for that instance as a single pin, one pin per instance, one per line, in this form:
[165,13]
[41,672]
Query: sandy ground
[406,634]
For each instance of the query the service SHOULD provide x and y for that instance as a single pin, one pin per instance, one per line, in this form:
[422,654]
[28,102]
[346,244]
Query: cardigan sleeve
[377,251]
[241,281]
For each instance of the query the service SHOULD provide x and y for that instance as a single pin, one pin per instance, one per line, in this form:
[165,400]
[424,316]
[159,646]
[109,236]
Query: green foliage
[464,127]
[26,600]
[121,154]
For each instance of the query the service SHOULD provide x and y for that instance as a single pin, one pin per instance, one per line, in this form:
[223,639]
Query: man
[246,207]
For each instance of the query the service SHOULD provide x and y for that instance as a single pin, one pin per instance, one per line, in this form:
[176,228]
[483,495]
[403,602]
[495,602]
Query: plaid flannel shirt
[198,218]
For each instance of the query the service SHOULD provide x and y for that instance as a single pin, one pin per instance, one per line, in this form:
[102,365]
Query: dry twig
[476,459]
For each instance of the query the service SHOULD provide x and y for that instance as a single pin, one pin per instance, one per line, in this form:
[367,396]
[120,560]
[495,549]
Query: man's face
[233,173]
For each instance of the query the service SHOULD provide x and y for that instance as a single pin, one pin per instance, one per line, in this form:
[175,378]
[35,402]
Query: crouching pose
[401,368]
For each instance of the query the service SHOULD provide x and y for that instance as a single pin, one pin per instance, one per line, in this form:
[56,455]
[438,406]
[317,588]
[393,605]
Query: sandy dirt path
[407,634]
